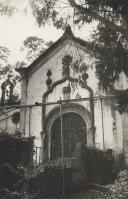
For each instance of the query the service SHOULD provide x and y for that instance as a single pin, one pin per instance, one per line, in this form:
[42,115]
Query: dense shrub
[15,150]
[15,154]
[98,165]
[117,190]
[49,184]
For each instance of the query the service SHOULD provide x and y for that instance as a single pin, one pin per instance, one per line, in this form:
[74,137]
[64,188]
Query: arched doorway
[74,132]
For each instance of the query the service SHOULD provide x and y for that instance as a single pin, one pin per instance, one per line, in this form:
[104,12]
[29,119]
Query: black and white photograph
[63,99]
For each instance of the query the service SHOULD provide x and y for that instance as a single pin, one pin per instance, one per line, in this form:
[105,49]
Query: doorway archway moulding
[70,108]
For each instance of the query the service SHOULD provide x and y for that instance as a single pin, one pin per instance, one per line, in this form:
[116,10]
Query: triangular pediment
[66,38]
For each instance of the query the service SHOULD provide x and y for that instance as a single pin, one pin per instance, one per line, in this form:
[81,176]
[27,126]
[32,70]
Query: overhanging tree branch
[96,16]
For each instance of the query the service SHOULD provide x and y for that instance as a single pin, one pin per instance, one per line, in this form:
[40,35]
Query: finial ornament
[68,30]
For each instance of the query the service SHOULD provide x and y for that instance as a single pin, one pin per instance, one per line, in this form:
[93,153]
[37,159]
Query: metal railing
[52,156]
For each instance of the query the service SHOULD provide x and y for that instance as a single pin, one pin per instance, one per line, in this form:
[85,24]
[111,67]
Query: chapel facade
[63,102]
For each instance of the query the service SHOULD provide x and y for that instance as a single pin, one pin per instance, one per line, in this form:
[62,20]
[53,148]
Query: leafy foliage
[112,58]
[4,66]
[16,118]
[49,43]
[47,11]
[85,11]
[120,188]
[117,190]
[32,48]
[7,69]
[98,165]
[15,153]
[43,10]
[6,8]
[11,149]
[121,102]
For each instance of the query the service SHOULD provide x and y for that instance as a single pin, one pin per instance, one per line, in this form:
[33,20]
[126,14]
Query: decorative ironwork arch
[3,87]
